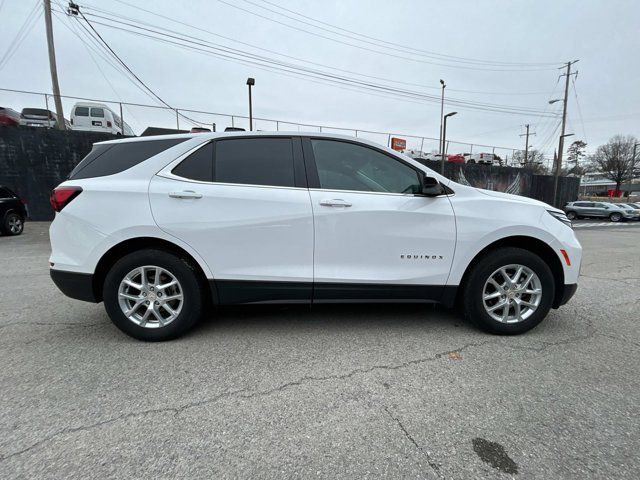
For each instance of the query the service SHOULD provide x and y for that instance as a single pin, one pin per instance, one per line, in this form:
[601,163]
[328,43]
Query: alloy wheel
[150,296]
[15,224]
[512,293]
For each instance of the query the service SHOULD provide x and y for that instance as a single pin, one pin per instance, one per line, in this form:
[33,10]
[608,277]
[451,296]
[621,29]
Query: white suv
[161,227]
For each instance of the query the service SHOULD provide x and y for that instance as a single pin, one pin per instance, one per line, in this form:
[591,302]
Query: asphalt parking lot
[333,392]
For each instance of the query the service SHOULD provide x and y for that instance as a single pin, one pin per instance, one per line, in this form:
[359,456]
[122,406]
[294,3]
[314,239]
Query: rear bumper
[567,292]
[74,285]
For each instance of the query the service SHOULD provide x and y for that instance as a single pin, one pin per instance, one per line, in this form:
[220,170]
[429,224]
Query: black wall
[516,181]
[34,161]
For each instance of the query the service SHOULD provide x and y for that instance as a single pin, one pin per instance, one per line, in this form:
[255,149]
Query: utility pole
[52,65]
[562,133]
[526,147]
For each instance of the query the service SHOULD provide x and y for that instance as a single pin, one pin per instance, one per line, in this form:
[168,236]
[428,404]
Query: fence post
[389,141]
[177,120]
[121,120]
[356,133]
[471,149]
[233,121]
[421,146]
[213,127]
[320,128]
[277,126]
[46,101]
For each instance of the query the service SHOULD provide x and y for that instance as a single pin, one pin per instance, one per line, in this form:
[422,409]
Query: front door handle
[335,202]
[185,194]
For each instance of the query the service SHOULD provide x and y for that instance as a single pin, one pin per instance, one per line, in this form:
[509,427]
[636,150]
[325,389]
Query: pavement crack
[238,393]
[434,466]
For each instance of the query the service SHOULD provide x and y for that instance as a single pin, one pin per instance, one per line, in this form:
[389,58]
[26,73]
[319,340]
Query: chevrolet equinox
[159,228]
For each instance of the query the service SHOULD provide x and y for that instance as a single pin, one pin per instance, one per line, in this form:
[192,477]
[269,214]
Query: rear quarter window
[111,158]
[82,111]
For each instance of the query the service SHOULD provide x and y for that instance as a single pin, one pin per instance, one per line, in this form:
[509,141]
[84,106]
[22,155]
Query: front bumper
[74,285]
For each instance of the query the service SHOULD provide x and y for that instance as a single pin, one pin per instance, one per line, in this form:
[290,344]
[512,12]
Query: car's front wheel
[615,217]
[508,291]
[153,295]
[572,215]
[13,224]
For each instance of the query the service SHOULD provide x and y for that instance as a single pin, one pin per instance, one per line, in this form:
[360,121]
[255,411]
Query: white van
[97,117]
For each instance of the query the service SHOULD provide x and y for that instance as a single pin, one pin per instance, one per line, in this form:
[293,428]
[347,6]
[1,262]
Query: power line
[254,59]
[575,92]
[404,47]
[137,21]
[138,79]
[388,54]
[470,64]
[32,18]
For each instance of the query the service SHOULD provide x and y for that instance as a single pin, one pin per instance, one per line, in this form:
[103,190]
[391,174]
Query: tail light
[62,196]
[108,124]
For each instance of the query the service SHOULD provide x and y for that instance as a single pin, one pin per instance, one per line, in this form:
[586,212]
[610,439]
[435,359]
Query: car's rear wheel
[615,217]
[572,215]
[509,291]
[153,295]
[13,224]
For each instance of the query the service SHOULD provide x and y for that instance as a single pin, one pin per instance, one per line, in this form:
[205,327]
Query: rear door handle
[335,202]
[185,194]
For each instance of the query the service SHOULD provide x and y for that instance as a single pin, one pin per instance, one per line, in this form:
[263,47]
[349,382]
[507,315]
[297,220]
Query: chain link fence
[140,116]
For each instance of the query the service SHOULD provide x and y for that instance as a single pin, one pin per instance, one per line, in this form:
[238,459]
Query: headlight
[630,211]
[560,216]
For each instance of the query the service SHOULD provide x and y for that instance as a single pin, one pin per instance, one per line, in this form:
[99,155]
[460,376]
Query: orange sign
[398,144]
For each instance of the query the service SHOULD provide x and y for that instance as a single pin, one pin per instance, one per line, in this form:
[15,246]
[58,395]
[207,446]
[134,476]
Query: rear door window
[97,112]
[198,165]
[255,161]
[82,111]
[111,158]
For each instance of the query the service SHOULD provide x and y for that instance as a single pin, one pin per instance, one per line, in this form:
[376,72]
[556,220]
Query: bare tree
[535,162]
[614,159]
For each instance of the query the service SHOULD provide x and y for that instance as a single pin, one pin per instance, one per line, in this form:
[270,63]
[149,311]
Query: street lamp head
[551,102]
[442,82]
[251,81]
[451,114]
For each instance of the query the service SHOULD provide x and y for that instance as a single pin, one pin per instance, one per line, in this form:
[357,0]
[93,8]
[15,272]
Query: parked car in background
[13,212]
[456,158]
[199,130]
[584,209]
[237,218]
[38,117]
[97,117]
[630,207]
[9,117]
[483,158]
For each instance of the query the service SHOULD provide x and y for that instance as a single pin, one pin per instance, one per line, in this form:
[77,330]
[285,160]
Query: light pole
[441,146]
[444,138]
[251,82]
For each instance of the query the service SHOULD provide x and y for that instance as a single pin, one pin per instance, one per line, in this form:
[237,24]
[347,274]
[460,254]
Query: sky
[502,53]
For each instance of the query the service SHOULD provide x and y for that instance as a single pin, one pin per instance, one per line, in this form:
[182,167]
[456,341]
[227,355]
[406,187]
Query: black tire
[181,269]
[472,161]
[472,293]
[572,215]
[13,224]
[615,217]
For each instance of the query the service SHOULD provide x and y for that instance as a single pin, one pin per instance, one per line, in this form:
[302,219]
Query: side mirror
[431,187]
